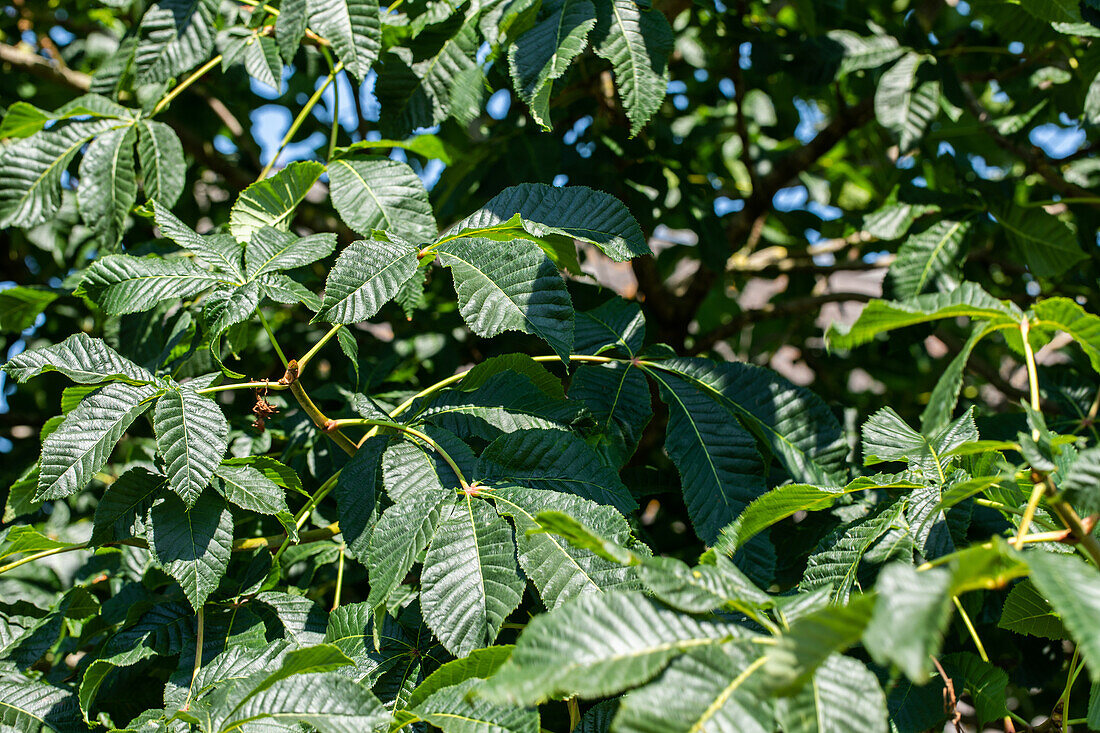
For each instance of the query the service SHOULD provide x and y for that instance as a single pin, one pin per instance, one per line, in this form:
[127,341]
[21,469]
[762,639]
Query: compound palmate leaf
[510,286]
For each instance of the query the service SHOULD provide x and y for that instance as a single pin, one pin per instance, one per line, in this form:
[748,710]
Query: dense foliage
[440,398]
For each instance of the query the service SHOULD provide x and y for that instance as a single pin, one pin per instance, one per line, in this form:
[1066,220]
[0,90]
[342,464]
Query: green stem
[1071,677]
[198,659]
[320,419]
[273,386]
[300,119]
[413,432]
[335,109]
[39,555]
[317,347]
[1037,492]
[186,83]
[971,629]
[303,513]
[271,337]
[339,576]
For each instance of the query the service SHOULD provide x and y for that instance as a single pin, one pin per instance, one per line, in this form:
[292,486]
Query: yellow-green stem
[39,555]
[413,432]
[271,337]
[302,114]
[198,73]
[317,347]
[1037,492]
[970,627]
[198,659]
[273,386]
[339,577]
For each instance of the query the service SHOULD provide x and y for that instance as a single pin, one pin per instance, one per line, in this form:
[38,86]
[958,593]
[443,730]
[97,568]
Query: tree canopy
[520,365]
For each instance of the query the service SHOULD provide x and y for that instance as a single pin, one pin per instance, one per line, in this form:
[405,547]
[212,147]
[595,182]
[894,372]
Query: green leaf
[219,251]
[413,472]
[328,701]
[174,36]
[120,513]
[248,488]
[901,105]
[163,169]
[81,358]
[108,188]
[123,284]
[584,537]
[366,275]
[357,492]
[470,581]
[864,52]
[598,646]
[836,561]
[271,250]
[1027,612]
[986,684]
[506,403]
[794,423]
[703,588]
[785,501]
[21,306]
[617,395]
[510,286]
[843,695]
[886,437]
[31,168]
[919,603]
[880,316]
[554,460]
[720,468]
[379,193]
[192,545]
[811,640]
[428,146]
[543,54]
[572,211]
[22,538]
[290,27]
[458,709]
[1071,587]
[711,688]
[617,325]
[81,445]
[192,436]
[478,664]
[637,41]
[353,27]
[28,706]
[929,259]
[559,570]
[1045,243]
[518,363]
[226,307]
[401,534]
[1063,314]
[272,201]
[945,395]
[426,91]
